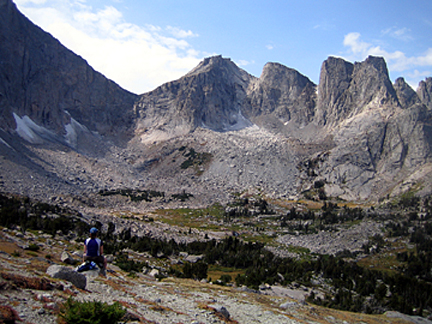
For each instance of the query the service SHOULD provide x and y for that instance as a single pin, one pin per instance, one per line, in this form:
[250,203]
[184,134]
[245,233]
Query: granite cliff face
[425,92]
[283,93]
[210,96]
[53,87]
[65,128]
[346,89]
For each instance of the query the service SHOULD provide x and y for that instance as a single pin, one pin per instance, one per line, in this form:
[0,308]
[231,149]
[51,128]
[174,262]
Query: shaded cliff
[45,81]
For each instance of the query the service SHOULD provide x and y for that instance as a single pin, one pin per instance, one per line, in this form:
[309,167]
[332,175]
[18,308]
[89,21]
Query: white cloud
[397,61]
[403,34]
[139,58]
[23,2]
[180,33]
[244,62]
[269,47]
[352,40]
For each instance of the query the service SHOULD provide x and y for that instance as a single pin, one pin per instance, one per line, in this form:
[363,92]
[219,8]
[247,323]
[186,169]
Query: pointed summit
[210,96]
[346,90]
[406,95]
[217,66]
[284,93]
[425,92]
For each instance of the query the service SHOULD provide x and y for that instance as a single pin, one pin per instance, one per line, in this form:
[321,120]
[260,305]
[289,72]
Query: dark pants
[100,260]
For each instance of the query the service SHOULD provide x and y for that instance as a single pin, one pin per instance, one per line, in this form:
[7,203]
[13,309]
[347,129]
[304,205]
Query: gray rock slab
[65,273]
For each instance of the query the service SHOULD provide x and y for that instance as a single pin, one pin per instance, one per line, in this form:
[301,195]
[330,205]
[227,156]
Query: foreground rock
[65,273]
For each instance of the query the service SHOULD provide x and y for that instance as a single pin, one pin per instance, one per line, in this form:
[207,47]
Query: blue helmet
[93,230]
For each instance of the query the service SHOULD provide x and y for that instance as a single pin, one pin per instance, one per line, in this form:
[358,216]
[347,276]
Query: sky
[142,44]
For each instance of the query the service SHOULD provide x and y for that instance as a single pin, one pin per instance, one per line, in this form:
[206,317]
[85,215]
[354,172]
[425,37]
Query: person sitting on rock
[93,249]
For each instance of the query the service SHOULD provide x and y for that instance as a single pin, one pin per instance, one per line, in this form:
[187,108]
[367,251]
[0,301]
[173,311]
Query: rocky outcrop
[61,272]
[335,79]
[406,95]
[55,88]
[345,90]
[284,93]
[210,96]
[424,92]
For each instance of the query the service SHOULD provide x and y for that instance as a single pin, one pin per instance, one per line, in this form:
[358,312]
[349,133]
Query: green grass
[216,271]
[260,237]
[191,218]
[298,249]
[386,259]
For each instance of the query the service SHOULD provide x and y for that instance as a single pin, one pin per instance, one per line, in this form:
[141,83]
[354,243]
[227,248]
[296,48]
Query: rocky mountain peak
[210,96]
[209,63]
[346,90]
[405,94]
[219,67]
[424,92]
[375,62]
[283,93]
[335,79]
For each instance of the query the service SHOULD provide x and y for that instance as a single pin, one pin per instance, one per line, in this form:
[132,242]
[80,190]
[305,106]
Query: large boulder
[194,258]
[68,274]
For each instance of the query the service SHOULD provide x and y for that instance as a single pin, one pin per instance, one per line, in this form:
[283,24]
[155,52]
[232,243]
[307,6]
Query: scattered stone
[154,272]
[265,286]
[109,258]
[194,258]
[67,258]
[288,305]
[78,254]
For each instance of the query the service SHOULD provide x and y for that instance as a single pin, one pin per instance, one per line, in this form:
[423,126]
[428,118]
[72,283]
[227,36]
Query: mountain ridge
[356,132]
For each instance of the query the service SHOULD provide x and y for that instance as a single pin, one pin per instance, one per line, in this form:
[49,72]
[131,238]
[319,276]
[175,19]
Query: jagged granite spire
[346,89]
[424,92]
[405,94]
[335,79]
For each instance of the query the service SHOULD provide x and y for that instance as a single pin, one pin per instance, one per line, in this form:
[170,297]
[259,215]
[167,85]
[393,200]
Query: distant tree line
[143,195]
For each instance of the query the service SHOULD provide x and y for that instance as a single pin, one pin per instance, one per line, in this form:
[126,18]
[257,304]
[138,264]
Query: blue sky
[142,44]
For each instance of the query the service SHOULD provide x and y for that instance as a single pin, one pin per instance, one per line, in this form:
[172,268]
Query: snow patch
[238,122]
[241,122]
[72,132]
[28,130]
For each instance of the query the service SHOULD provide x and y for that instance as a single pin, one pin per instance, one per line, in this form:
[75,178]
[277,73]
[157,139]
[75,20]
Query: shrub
[123,262]
[33,247]
[8,315]
[96,312]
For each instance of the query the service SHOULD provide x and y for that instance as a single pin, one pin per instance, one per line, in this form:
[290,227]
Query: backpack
[86,266]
